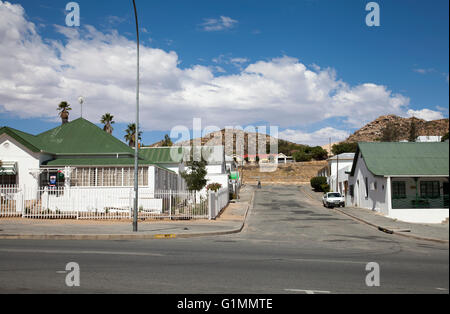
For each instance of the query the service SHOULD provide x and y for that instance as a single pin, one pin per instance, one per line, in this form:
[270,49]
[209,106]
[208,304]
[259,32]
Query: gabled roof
[28,140]
[81,137]
[344,156]
[178,154]
[404,159]
[82,143]
[163,155]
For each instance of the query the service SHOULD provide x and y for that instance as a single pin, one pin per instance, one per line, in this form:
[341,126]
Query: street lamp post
[136,135]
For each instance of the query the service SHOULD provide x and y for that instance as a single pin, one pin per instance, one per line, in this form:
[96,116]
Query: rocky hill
[230,138]
[372,132]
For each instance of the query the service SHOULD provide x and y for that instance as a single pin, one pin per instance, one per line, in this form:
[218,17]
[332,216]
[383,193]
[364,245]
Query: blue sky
[311,67]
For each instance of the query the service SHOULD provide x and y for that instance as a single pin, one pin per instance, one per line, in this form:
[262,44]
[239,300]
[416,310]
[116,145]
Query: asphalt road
[290,245]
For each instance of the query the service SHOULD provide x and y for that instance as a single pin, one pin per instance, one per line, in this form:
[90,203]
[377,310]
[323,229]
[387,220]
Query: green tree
[108,120]
[130,135]
[318,153]
[413,132]
[167,142]
[445,137]
[302,156]
[195,176]
[390,133]
[344,147]
[64,109]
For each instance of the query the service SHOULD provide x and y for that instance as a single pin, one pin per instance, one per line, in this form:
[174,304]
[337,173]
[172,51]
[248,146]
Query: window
[105,177]
[8,179]
[398,189]
[430,189]
[367,187]
[352,190]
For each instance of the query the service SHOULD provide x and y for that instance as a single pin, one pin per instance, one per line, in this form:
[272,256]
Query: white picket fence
[108,203]
[217,201]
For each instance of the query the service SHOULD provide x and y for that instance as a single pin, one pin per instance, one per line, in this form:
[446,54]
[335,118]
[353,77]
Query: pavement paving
[430,232]
[230,221]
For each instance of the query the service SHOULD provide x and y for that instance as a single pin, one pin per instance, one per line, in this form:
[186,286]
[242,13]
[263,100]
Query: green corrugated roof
[162,155]
[28,140]
[93,162]
[81,137]
[61,162]
[405,159]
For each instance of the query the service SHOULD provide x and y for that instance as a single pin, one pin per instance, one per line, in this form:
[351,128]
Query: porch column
[389,193]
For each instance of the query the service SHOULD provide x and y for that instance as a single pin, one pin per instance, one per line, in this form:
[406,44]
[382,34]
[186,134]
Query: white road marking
[441,289]
[78,252]
[308,291]
[324,261]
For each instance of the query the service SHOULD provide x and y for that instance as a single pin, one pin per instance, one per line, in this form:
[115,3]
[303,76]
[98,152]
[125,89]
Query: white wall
[377,199]
[11,150]
[427,215]
[342,164]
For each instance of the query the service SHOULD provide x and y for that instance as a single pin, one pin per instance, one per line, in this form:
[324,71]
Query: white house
[405,181]
[336,170]
[428,139]
[175,158]
[76,159]
[284,159]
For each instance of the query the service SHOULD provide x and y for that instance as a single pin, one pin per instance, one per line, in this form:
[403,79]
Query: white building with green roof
[405,181]
[76,157]
[175,158]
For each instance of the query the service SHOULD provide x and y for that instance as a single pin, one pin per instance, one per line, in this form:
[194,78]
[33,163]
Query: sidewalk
[429,232]
[232,220]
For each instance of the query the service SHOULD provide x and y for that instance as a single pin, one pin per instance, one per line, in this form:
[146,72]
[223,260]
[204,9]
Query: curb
[111,237]
[383,229]
[389,231]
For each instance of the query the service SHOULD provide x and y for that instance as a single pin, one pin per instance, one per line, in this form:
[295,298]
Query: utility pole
[136,135]
[337,174]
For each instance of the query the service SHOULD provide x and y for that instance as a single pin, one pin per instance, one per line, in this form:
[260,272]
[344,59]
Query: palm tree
[64,109]
[130,135]
[107,120]
[167,142]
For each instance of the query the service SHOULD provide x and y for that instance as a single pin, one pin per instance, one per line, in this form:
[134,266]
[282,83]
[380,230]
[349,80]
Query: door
[446,195]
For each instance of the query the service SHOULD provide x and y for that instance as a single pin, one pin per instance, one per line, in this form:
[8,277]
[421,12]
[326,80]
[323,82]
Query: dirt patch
[285,174]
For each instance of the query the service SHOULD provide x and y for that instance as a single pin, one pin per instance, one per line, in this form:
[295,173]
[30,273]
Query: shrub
[214,187]
[318,153]
[344,148]
[317,182]
[302,157]
[325,188]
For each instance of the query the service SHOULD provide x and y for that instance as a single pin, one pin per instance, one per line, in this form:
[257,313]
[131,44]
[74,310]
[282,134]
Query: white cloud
[220,24]
[424,71]
[425,114]
[320,137]
[36,74]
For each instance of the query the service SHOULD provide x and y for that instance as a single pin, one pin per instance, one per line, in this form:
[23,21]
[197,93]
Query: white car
[333,199]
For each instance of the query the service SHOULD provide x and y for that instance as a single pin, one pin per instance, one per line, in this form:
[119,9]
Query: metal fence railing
[10,201]
[105,203]
[412,202]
